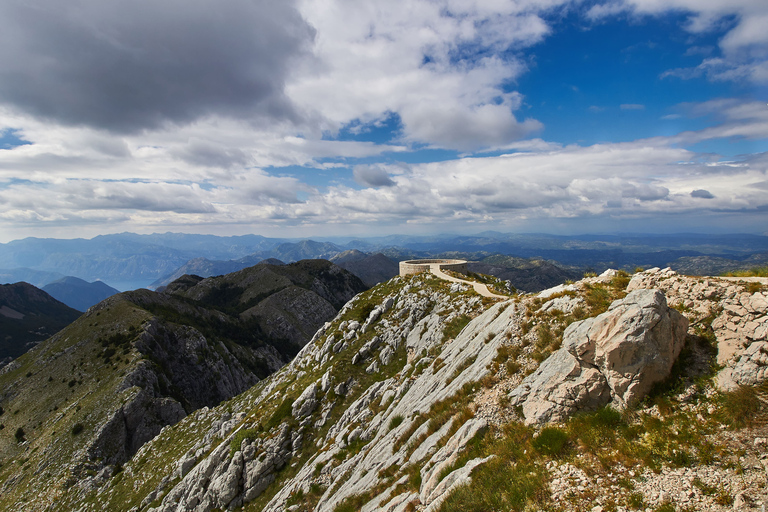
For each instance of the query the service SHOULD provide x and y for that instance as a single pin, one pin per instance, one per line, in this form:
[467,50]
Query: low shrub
[551,441]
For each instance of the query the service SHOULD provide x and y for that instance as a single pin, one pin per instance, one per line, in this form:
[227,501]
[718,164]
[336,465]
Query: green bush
[19,435]
[77,428]
[636,501]
[551,441]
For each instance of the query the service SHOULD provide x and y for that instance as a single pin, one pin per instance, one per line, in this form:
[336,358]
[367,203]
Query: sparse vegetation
[516,478]
[395,421]
[750,272]
[743,407]
[454,326]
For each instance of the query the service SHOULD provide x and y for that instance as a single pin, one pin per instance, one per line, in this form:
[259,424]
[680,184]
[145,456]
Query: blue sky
[332,117]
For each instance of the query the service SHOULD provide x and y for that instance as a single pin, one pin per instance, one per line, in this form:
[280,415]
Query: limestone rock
[750,370]
[446,456]
[616,356]
[306,403]
[454,479]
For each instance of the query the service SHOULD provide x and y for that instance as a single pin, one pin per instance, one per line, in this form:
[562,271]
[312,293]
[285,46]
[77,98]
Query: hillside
[79,294]
[531,275]
[372,269]
[28,315]
[420,395]
[88,398]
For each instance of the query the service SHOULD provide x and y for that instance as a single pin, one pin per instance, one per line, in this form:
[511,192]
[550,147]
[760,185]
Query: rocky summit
[616,392]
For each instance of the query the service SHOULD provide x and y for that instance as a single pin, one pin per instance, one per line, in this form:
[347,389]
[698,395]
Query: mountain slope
[28,315]
[372,269]
[84,401]
[206,268]
[79,294]
[529,275]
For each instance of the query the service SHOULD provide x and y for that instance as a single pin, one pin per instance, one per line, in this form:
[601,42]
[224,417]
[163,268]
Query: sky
[313,118]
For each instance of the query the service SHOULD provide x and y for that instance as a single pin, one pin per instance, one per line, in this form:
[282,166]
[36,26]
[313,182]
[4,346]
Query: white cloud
[631,106]
[418,60]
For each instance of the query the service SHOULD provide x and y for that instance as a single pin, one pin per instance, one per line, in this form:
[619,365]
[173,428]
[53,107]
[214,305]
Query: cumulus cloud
[139,65]
[419,60]
[196,115]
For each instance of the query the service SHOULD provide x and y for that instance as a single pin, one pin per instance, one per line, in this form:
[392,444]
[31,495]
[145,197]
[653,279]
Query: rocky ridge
[405,401]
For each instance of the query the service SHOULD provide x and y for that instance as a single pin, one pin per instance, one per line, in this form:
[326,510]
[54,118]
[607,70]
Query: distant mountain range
[129,261]
[79,294]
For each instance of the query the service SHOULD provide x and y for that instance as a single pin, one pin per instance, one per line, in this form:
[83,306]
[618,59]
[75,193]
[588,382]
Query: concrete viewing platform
[437,267]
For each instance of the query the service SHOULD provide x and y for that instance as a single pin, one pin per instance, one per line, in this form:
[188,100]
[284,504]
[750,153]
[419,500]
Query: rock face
[615,357]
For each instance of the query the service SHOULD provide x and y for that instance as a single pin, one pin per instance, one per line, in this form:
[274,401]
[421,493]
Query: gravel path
[478,287]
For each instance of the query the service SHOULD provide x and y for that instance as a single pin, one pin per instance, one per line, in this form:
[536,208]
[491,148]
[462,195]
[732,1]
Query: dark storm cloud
[372,176]
[127,66]
[702,194]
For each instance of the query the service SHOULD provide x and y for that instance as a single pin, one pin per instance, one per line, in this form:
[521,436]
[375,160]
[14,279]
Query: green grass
[513,480]
[395,421]
[283,411]
[551,441]
[742,408]
[243,435]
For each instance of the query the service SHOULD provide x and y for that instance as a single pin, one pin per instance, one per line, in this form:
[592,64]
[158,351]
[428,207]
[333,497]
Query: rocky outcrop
[137,422]
[614,357]
[223,481]
[733,311]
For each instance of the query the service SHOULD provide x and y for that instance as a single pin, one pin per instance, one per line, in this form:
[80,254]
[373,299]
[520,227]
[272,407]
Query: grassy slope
[65,382]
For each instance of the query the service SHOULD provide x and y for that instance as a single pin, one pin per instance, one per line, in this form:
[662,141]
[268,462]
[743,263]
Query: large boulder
[614,357]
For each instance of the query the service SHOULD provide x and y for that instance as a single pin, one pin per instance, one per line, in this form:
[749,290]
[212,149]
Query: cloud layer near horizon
[146,116]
